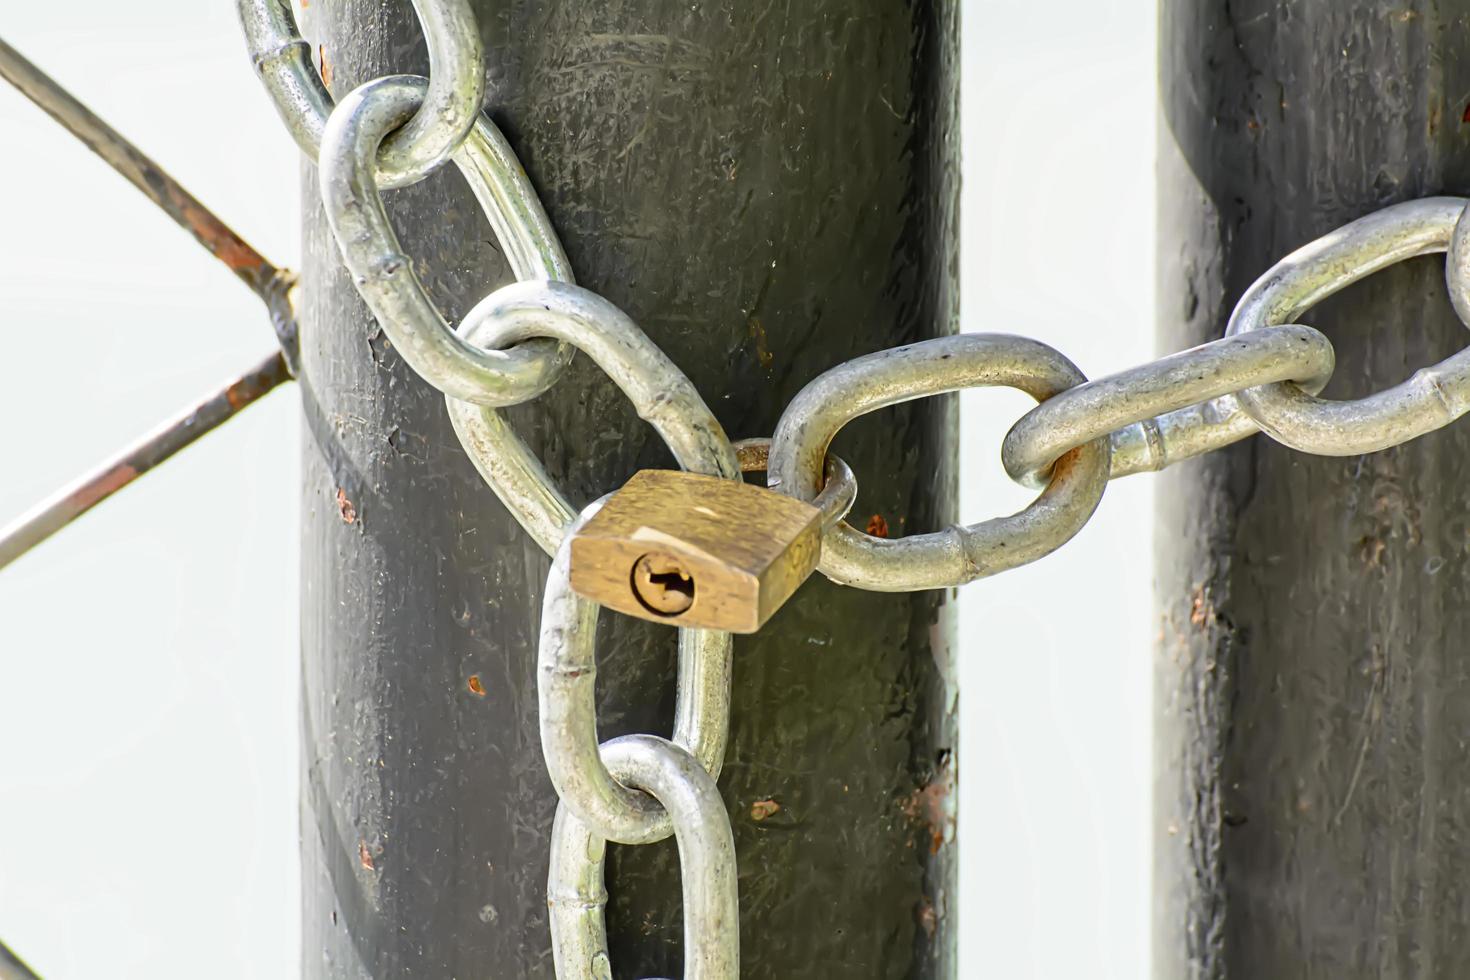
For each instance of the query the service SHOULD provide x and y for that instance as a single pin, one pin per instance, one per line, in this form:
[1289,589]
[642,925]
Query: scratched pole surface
[768,190]
[1313,678]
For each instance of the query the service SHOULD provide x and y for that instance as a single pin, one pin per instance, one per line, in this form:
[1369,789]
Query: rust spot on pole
[345,508]
[326,66]
[762,809]
[757,331]
[932,806]
[928,917]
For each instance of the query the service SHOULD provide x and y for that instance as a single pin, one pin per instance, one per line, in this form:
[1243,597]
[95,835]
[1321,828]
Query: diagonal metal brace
[71,502]
[271,283]
[13,968]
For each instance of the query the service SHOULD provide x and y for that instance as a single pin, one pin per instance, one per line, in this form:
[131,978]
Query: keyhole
[662,585]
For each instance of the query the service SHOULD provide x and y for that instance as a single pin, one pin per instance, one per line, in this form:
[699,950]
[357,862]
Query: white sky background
[148,746]
[1058,104]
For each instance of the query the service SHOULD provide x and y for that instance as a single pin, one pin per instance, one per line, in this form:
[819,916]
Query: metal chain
[1433,398]
[283,60]
[577,896]
[385,277]
[1263,376]
[959,554]
[1169,410]
[566,687]
[360,150]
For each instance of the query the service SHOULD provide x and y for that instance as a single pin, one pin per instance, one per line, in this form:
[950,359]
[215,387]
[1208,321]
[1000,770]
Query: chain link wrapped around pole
[575,890]
[566,685]
[385,276]
[1433,398]
[450,107]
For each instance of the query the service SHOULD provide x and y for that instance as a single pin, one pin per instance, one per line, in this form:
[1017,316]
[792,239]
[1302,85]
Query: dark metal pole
[1313,684]
[767,190]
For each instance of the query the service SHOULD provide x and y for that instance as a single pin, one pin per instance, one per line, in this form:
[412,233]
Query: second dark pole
[1313,685]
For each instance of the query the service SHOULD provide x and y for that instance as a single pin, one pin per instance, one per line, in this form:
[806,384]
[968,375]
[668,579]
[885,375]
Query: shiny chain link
[283,60]
[1433,398]
[1264,375]
[638,789]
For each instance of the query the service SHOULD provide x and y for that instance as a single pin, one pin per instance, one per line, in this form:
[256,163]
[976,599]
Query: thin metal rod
[270,283]
[13,968]
[56,512]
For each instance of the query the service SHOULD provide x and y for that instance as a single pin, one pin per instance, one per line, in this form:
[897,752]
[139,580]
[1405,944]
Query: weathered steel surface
[767,191]
[1314,692]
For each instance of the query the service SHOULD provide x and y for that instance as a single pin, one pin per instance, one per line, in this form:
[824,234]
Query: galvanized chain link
[283,60]
[577,896]
[1155,414]
[385,277]
[390,132]
[959,554]
[566,687]
[1433,398]
[1264,375]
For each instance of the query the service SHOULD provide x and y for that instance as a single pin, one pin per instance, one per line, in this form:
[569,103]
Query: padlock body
[693,550]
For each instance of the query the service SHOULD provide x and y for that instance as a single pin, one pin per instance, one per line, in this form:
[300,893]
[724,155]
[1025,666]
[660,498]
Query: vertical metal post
[1312,681]
[767,190]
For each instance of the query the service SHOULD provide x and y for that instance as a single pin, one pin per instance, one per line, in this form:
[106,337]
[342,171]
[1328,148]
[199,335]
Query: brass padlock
[694,550]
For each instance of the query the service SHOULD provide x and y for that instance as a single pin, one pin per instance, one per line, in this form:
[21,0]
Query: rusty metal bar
[71,502]
[12,967]
[272,284]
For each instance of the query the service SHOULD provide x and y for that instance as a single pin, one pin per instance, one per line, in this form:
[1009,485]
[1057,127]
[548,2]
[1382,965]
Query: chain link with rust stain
[1263,376]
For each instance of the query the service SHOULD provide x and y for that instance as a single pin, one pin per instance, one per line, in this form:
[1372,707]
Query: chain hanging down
[1263,376]
[673,787]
